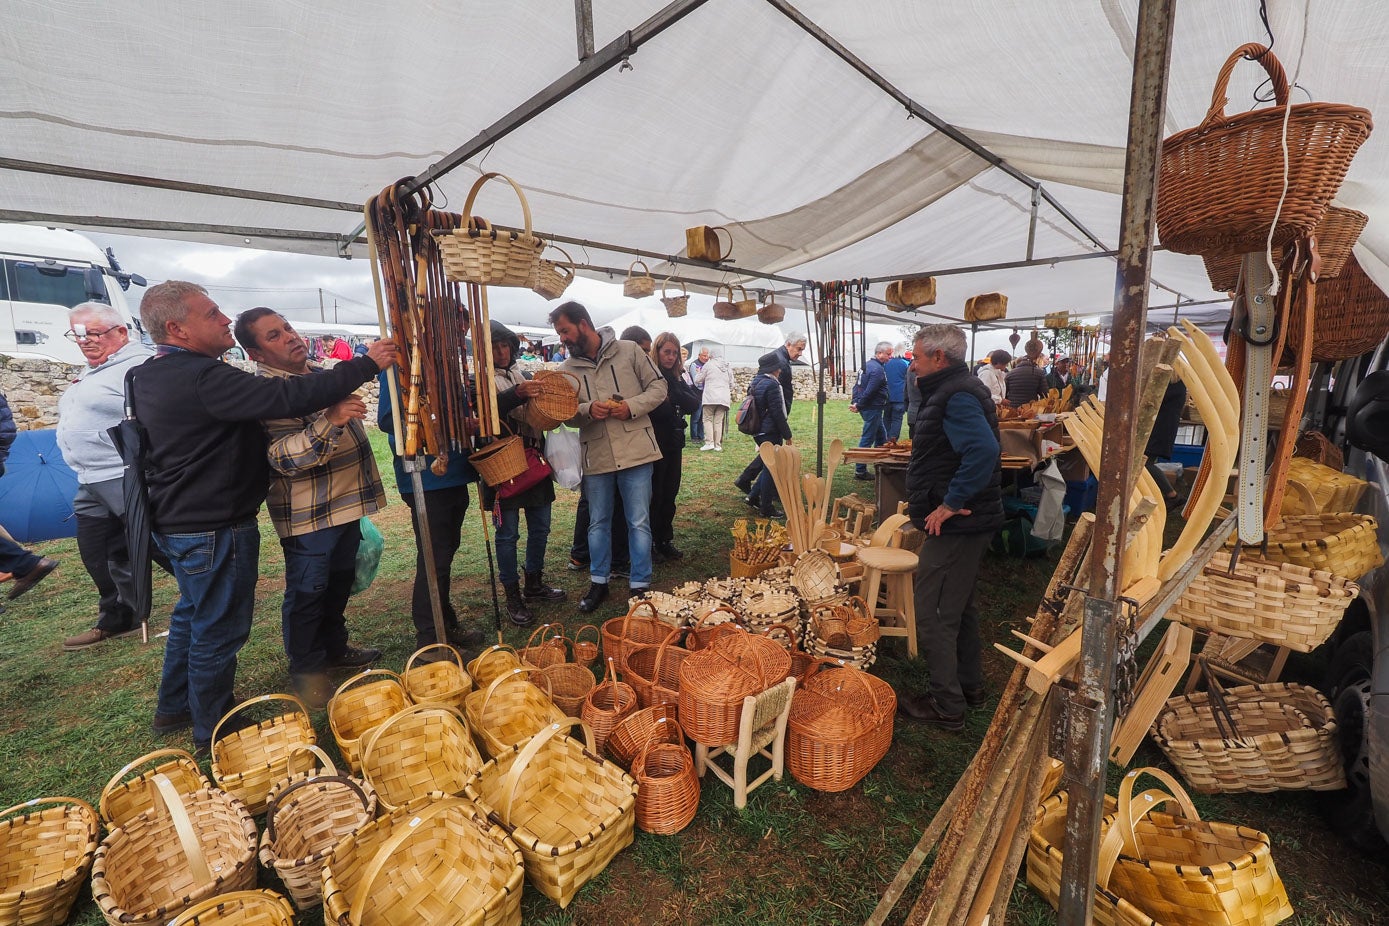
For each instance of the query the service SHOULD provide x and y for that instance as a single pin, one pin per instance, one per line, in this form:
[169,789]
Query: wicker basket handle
[1252,51]
[723,255]
[597,636]
[400,833]
[640,761]
[684,290]
[509,676]
[1128,815]
[533,746]
[119,778]
[27,806]
[661,651]
[472,195]
[261,699]
[784,628]
[369,746]
[474,667]
[183,827]
[646,271]
[530,644]
[354,680]
[190,914]
[568,261]
[304,783]
[720,288]
[453,655]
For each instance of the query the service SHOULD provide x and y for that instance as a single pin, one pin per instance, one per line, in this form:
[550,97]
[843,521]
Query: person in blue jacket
[870,400]
[773,428]
[895,368]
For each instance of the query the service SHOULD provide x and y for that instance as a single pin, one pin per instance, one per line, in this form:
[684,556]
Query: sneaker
[925,709]
[94,636]
[354,657]
[707,447]
[976,697]
[576,565]
[741,486]
[164,724]
[33,577]
[863,477]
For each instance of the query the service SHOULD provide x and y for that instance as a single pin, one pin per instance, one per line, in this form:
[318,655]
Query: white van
[43,273]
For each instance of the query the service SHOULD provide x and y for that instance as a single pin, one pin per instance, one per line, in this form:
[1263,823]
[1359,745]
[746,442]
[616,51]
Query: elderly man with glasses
[91,405]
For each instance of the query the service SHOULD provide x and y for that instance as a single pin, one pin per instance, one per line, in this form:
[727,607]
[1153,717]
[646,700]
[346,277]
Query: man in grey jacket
[91,405]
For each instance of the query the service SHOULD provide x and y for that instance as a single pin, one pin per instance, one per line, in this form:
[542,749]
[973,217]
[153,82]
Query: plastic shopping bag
[368,556]
[565,454]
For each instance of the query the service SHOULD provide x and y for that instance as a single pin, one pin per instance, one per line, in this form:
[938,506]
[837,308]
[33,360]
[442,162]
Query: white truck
[43,273]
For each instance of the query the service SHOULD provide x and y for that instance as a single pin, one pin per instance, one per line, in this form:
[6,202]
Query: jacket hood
[501,334]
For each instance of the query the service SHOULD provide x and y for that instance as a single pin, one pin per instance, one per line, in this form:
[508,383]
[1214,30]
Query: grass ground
[794,856]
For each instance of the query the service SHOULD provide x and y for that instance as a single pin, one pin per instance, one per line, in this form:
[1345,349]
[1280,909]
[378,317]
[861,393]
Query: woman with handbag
[668,420]
[514,389]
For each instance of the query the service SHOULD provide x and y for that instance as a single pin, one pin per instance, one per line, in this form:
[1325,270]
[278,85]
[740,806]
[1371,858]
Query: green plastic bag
[368,556]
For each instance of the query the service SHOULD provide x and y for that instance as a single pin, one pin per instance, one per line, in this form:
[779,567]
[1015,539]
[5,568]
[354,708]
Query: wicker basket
[1344,544]
[1352,316]
[676,306]
[725,309]
[715,680]
[124,797]
[1221,183]
[440,856]
[768,609]
[444,681]
[638,285]
[305,817]
[1044,860]
[191,847]
[568,810]
[910,294]
[815,576]
[1340,228]
[607,705]
[1271,737]
[770,313]
[653,671]
[510,711]
[667,784]
[552,278]
[360,705]
[1278,603]
[423,749]
[858,657]
[839,728]
[844,626]
[633,629]
[635,730]
[46,850]
[569,684]
[492,663]
[986,307]
[673,610]
[745,307]
[248,762]
[585,651]
[739,569]
[551,650]
[480,254]
[557,402]
[239,908]
[1332,489]
[717,622]
[500,461]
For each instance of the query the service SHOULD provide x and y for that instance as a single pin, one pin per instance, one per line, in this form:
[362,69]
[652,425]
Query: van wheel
[1348,686]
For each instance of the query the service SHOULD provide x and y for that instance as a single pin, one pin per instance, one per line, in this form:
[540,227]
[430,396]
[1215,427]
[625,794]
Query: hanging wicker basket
[46,849]
[638,285]
[360,705]
[239,908]
[500,461]
[552,278]
[124,796]
[676,306]
[910,294]
[423,749]
[1343,544]
[557,402]
[725,309]
[1340,228]
[771,312]
[986,307]
[478,253]
[248,762]
[1352,317]
[839,728]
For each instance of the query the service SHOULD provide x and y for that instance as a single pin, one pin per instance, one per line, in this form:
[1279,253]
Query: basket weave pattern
[480,254]
[839,728]
[360,705]
[46,849]
[1344,544]
[1044,860]
[422,749]
[248,762]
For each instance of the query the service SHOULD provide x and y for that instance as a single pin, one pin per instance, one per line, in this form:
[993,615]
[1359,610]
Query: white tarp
[734,116]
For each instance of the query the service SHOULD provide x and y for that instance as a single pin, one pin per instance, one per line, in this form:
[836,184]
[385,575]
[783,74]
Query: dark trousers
[578,551]
[764,489]
[665,485]
[946,619]
[101,542]
[319,568]
[445,509]
[752,470]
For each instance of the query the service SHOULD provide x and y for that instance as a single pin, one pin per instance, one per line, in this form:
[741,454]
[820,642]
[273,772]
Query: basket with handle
[844,626]
[653,670]
[910,294]
[725,309]
[568,810]
[552,649]
[443,681]
[715,680]
[125,796]
[360,704]
[840,726]
[498,659]
[1331,489]
[638,285]
[1352,316]
[634,731]
[702,243]
[423,749]
[1344,544]
[585,651]
[239,908]
[674,610]
[511,710]
[305,817]
[667,784]
[500,461]
[718,621]
[745,307]
[46,849]
[676,306]
[771,312]
[478,253]
[1340,228]
[439,855]
[553,277]
[607,705]
[557,402]
[1221,183]
[986,307]
[181,851]
[1044,860]
[633,629]
[569,684]
[246,763]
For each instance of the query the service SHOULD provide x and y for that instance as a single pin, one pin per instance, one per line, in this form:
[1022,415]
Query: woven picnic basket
[248,762]
[360,704]
[1344,544]
[306,816]
[1340,228]
[124,796]
[1352,316]
[239,908]
[632,629]
[553,277]
[634,731]
[510,711]
[638,285]
[1044,860]
[433,860]
[568,810]
[667,784]
[653,670]
[676,306]
[423,749]
[478,253]
[585,652]
[497,660]
[1221,183]
[443,681]
[569,684]
[557,402]
[552,649]
[715,680]
[183,850]
[840,726]
[1278,603]
[1332,489]
[502,460]
[606,706]
[46,849]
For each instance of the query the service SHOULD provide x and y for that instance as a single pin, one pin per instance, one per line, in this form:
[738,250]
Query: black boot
[597,594]
[537,590]
[516,607]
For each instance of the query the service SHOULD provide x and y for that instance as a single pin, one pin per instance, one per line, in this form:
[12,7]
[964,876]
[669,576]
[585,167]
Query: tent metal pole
[1032,221]
[1089,706]
[583,25]
[237,231]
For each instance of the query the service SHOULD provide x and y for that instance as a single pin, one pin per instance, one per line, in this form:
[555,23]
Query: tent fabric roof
[733,116]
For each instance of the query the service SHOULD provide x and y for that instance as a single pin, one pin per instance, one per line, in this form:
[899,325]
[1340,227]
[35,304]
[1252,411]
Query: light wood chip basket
[361,704]
[1045,858]
[125,796]
[1333,490]
[552,278]
[511,710]
[495,661]
[676,306]
[239,908]
[478,253]
[426,748]
[839,728]
[247,763]
[1344,544]
[46,849]
[638,285]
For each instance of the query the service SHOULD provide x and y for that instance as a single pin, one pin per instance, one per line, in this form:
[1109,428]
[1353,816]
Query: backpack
[748,418]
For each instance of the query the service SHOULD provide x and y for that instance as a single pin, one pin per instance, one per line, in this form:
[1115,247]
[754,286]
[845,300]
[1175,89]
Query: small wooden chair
[886,566]
[761,731]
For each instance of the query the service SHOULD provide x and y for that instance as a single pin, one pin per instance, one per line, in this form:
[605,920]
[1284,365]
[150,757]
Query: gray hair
[946,338]
[796,337]
[882,346]
[100,311]
[164,303]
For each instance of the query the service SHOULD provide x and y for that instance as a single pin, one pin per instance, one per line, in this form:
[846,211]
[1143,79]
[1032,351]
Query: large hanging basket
[500,461]
[423,749]
[839,728]
[557,402]
[248,762]
[986,307]
[667,784]
[1352,316]
[478,253]
[1344,544]
[239,908]
[1340,228]
[126,794]
[1220,183]
[715,680]
[46,849]
[510,711]
[771,312]
[910,294]
[361,704]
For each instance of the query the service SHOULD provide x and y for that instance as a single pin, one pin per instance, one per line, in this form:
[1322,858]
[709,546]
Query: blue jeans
[319,569]
[892,420]
[634,485]
[16,560]
[697,425]
[873,434]
[216,573]
[537,535]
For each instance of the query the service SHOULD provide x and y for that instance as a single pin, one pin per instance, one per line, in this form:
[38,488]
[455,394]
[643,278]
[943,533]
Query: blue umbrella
[37,489]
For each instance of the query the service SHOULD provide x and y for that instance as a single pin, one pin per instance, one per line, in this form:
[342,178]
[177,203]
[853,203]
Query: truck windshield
[55,284]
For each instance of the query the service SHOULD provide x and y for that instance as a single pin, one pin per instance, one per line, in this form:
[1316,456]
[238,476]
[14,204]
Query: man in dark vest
[953,496]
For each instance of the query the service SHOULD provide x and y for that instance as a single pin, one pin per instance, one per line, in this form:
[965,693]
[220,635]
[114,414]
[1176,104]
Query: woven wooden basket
[1340,228]
[986,307]
[739,569]
[585,651]
[764,610]
[1221,182]
[844,626]
[510,711]
[1334,491]
[607,705]
[653,671]
[124,796]
[493,662]
[569,684]
[638,285]
[423,749]
[673,610]
[771,312]
[910,294]
[839,728]
[189,848]
[725,309]
[239,908]
[441,856]
[676,306]
[640,625]
[306,816]
[248,762]
[745,307]
[502,460]
[667,784]
[858,657]
[478,253]
[1276,737]
[1343,544]
[552,278]
[815,576]
[360,705]
[715,680]
[568,810]
[1352,316]
[557,402]
[635,730]
[1044,860]
[46,849]
[1278,603]
[552,649]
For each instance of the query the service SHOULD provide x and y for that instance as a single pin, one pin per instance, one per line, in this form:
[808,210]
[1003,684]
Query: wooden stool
[891,568]
[761,731]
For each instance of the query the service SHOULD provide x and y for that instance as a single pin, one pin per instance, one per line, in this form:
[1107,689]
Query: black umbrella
[132,443]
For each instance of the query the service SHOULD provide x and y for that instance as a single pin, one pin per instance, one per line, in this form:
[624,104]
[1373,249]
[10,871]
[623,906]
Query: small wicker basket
[500,461]
[676,306]
[552,278]
[124,797]
[46,849]
[480,254]
[360,705]
[569,684]
[552,649]
[638,285]
[633,629]
[771,312]
[607,705]
[493,662]
[635,730]
[239,908]
[248,762]
[585,651]
[423,749]
[653,671]
[443,681]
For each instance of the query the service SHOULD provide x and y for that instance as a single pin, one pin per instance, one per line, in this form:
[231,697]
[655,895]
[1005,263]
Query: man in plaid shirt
[323,481]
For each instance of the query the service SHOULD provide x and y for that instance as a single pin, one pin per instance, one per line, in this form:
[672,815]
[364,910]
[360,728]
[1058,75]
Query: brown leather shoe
[925,709]
[94,636]
[32,577]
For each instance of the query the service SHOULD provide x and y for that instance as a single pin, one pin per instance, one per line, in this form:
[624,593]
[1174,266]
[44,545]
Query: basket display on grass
[478,253]
[585,651]
[360,704]
[1340,228]
[248,762]
[635,730]
[674,610]
[638,285]
[510,710]
[124,797]
[676,306]
[423,749]
[557,402]
[717,622]
[640,625]
[1332,489]
[1268,737]
[500,461]
[46,849]
[568,810]
[186,849]
[839,728]
[653,671]
[239,908]
[1221,182]
[552,277]
[492,663]
[1278,603]
[441,856]
[844,626]
[552,649]
[1044,860]
[715,680]
[1344,544]
[667,784]
[569,684]
[305,817]
[607,705]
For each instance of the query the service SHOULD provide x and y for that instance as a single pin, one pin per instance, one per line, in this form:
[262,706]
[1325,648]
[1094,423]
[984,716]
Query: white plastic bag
[1050,523]
[565,454]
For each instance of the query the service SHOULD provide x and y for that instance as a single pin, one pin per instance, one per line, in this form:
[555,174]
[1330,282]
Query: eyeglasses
[90,335]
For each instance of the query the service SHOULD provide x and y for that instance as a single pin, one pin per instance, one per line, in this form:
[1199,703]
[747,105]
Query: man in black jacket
[953,495]
[208,475]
